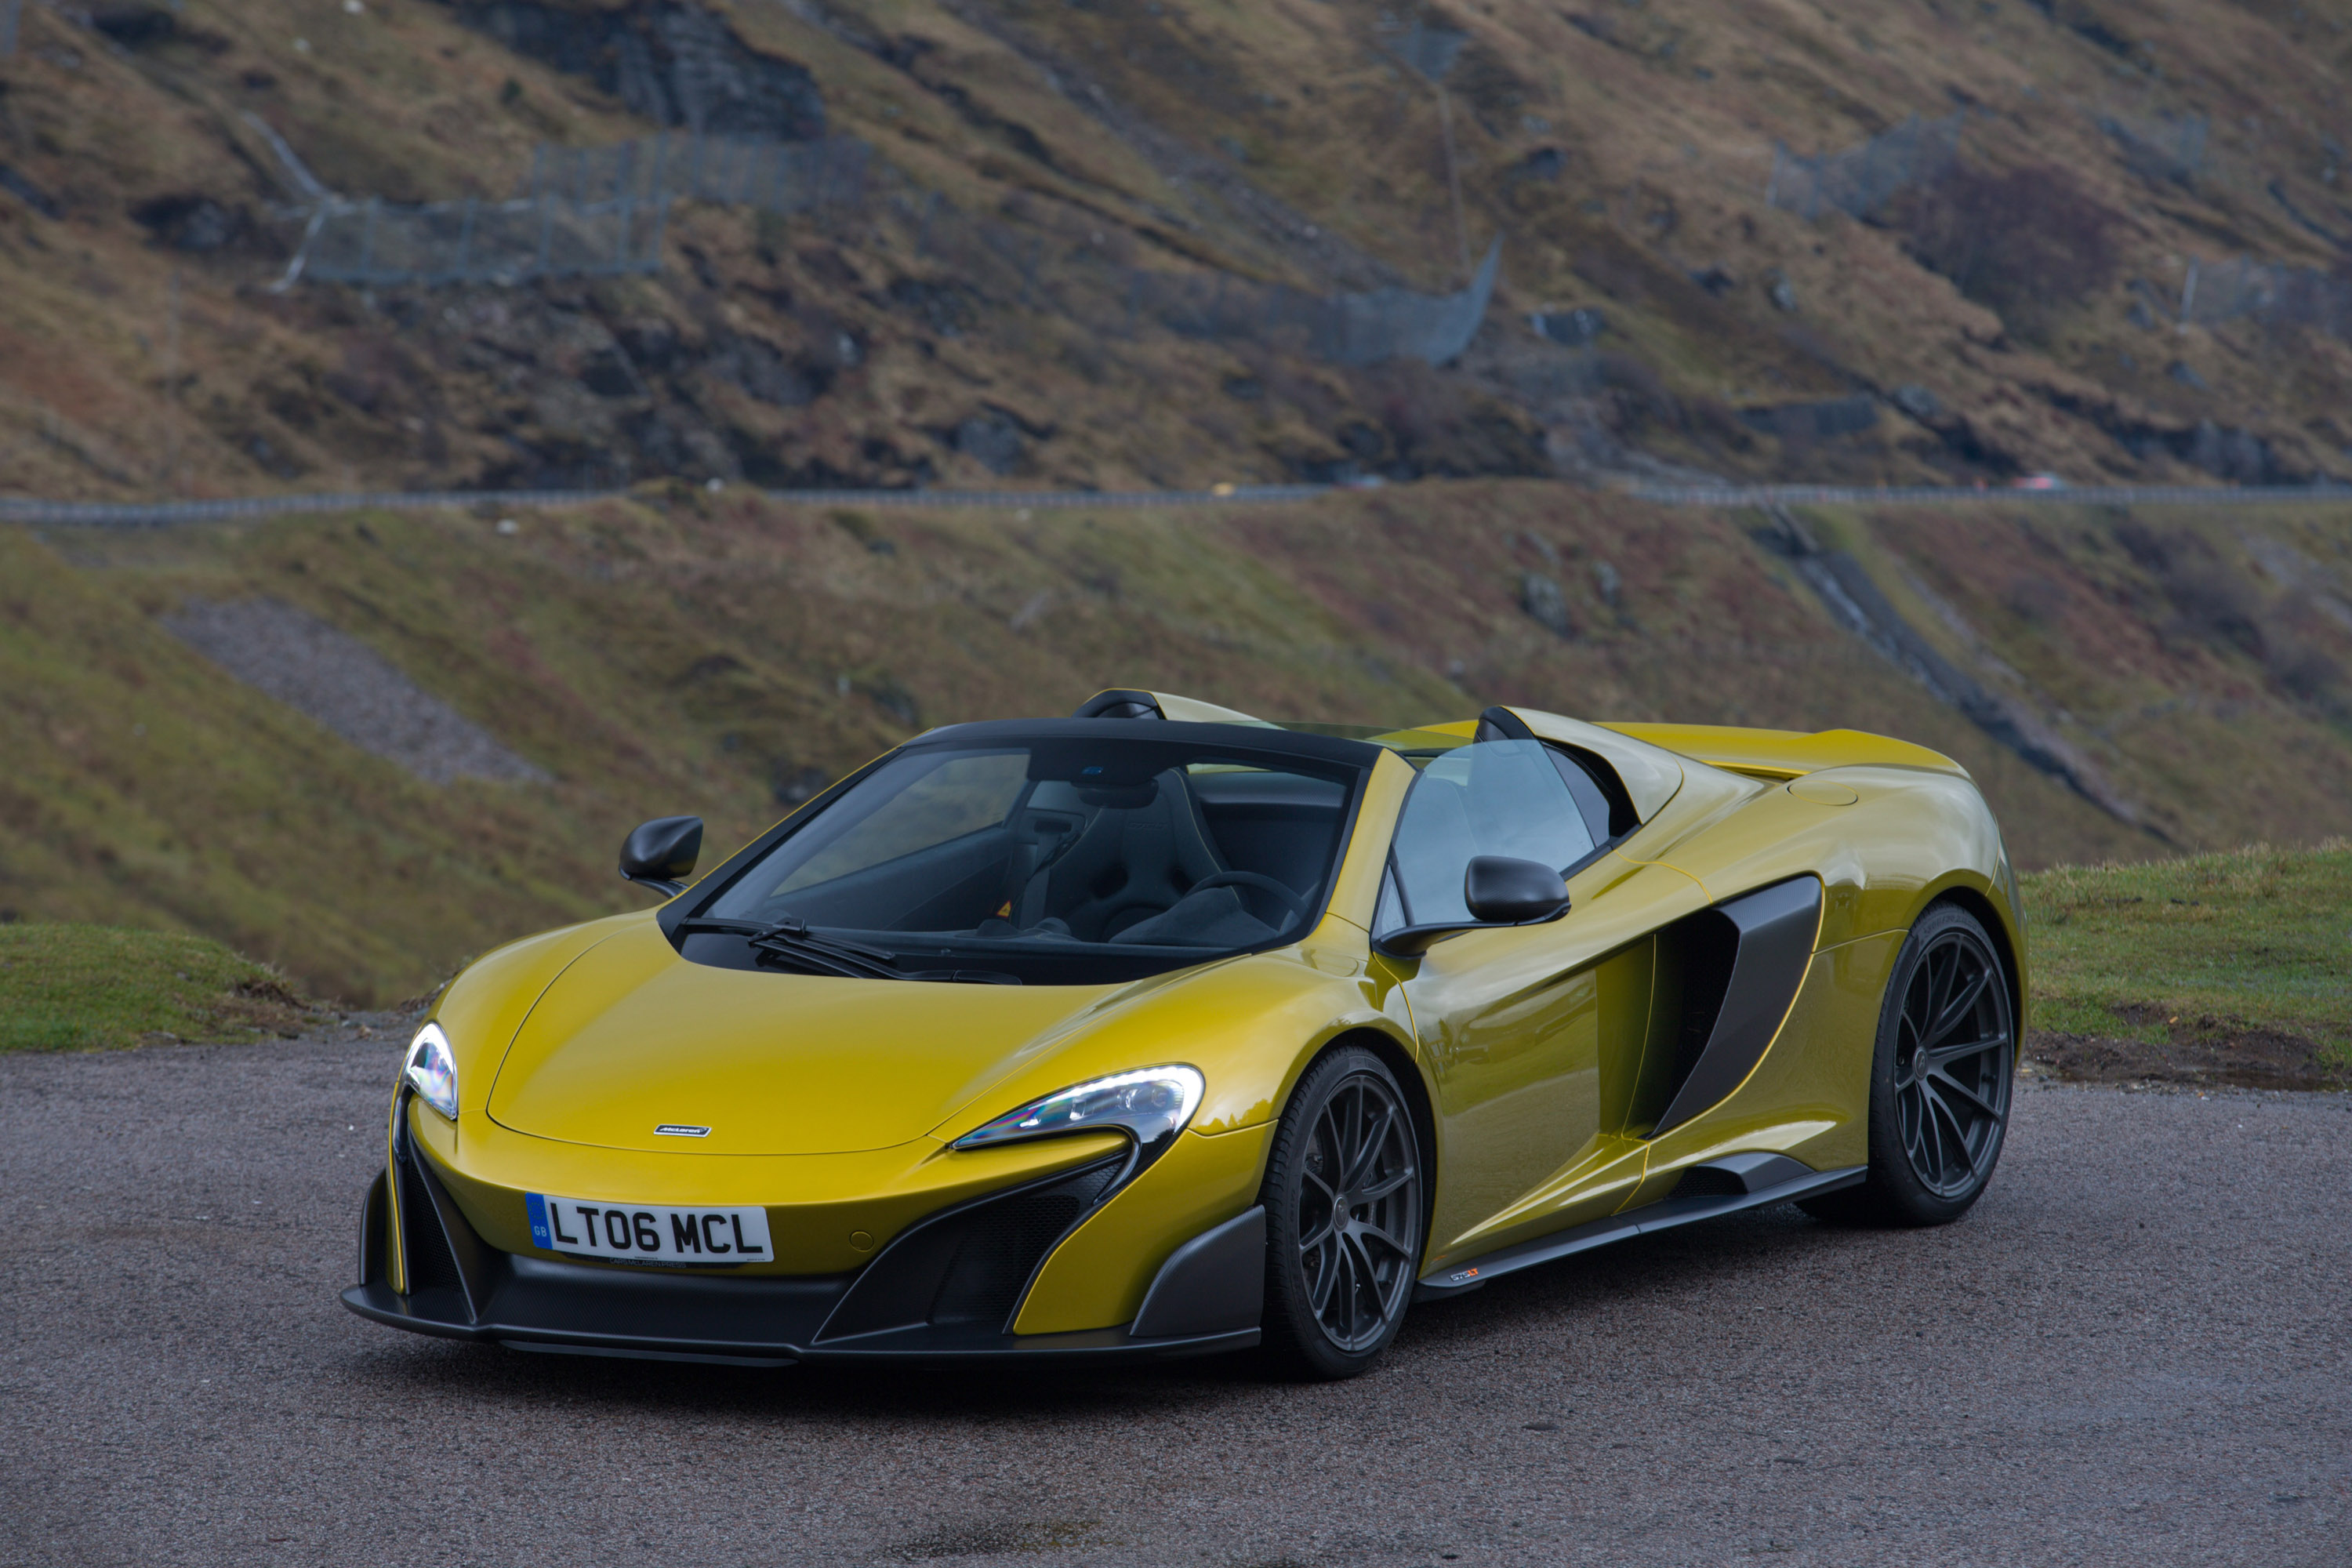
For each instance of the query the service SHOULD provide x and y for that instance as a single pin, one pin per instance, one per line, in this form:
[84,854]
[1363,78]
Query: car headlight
[432,1070]
[1152,1105]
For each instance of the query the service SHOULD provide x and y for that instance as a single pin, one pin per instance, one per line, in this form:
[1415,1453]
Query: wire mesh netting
[2282,296]
[583,211]
[979,261]
[379,244]
[771,175]
[1861,179]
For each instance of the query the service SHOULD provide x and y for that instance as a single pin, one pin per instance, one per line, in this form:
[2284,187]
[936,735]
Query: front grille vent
[968,1267]
[1002,1243]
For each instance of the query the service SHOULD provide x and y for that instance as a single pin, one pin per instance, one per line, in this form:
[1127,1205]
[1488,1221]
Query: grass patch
[81,987]
[2253,940]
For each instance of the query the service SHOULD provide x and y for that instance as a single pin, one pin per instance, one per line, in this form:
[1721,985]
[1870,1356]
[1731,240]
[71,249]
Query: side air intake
[1743,962]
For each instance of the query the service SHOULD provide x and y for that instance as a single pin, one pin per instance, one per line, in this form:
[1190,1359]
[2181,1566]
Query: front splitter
[584,1309]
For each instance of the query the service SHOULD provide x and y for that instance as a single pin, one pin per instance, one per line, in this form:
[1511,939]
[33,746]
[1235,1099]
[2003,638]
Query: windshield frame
[1238,742]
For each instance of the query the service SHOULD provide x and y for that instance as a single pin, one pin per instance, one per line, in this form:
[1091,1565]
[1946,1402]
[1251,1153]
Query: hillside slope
[2138,688]
[974,318]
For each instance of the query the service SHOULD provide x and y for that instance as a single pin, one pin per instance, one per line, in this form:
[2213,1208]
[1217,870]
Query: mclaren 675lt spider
[1160,1030]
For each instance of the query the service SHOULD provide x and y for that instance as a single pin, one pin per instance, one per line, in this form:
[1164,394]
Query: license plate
[643,1233]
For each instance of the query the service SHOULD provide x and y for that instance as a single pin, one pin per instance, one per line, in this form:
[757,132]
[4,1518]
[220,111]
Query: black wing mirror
[661,854]
[1500,891]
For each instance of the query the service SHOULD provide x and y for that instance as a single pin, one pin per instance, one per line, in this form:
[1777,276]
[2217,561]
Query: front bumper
[580,1308]
[945,1290]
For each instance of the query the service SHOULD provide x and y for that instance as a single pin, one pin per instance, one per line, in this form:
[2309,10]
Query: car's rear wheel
[1941,1078]
[1343,1204]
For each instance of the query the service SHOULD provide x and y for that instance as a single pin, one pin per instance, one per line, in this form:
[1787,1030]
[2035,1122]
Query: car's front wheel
[1941,1078]
[1343,1204]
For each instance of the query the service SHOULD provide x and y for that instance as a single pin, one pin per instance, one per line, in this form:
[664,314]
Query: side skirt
[1665,1214]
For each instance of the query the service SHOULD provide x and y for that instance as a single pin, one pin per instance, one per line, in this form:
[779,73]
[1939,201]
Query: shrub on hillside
[2023,242]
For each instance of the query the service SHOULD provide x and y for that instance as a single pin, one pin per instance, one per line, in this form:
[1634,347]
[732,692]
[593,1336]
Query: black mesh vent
[1001,1243]
[430,1266]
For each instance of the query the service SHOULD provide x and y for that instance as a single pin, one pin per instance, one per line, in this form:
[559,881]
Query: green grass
[83,987]
[2258,937]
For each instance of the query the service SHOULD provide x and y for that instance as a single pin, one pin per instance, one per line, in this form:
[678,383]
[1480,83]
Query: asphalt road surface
[2138,1350]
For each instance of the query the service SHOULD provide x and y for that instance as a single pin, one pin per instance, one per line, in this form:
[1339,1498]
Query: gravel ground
[345,684]
[2138,1350]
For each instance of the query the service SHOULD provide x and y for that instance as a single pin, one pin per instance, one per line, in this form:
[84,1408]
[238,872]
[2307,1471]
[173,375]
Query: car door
[1516,1023]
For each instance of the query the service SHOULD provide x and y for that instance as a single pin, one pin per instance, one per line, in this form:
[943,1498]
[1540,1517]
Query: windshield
[1062,860]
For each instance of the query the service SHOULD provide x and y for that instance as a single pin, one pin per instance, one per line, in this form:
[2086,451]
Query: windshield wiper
[790,939]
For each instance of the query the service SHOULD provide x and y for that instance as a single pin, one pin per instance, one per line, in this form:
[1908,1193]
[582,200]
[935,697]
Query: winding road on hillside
[2138,1348]
[33,511]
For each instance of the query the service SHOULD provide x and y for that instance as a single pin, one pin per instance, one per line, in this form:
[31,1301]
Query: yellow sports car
[1160,1030]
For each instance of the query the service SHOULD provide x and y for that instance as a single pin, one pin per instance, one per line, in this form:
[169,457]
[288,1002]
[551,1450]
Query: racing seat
[1130,863]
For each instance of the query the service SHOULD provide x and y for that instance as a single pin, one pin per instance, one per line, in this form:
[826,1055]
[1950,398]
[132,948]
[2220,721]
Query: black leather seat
[1129,864]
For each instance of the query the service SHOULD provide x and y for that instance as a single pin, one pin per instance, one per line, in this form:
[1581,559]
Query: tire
[1336,1289]
[1940,1079]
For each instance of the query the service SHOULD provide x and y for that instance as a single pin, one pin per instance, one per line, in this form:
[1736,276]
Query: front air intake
[970,1265]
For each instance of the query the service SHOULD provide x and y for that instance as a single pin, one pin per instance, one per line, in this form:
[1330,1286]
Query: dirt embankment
[2204,1051]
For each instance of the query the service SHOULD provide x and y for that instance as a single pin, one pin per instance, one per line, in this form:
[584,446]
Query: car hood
[632,1036]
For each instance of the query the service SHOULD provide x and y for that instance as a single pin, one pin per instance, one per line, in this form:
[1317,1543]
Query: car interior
[1199,856]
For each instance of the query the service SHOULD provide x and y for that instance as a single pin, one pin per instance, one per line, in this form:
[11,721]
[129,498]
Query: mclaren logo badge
[681,1130]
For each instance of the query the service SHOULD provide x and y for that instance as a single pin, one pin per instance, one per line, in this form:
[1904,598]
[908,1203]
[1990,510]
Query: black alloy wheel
[1344,1212]
[1940,1079]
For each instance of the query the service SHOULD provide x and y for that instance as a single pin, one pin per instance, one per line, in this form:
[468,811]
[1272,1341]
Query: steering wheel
[1290,901]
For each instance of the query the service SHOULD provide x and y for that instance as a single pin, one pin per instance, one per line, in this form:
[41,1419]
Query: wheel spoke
[1957,1008]
[1318,1290]
[1368,1151]
[1945,1121]
[1329,1194]
[1394,1244]
[1924,1145]
[1327,1141]
[1947,1084]
[1330,1224]
[1352,1287]
[1941,964]
[1384,1187]
[1942,1056]
[1374,1296]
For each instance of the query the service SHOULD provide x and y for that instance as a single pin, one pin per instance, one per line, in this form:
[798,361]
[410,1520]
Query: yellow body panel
[1098,1276]
[1539,1049]
[1785,754]
[1517,1057]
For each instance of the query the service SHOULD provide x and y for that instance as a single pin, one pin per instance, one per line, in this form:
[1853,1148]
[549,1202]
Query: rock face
[1541,598]
[675,63]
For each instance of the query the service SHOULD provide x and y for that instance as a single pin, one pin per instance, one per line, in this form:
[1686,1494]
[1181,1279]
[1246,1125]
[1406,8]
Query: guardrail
[1946,495]
[173,514]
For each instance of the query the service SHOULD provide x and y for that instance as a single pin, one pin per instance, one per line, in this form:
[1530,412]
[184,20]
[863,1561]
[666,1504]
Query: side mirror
[1502,890]
[661,854]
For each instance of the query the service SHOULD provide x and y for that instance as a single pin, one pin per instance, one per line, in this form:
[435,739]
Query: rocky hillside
[1941,241]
